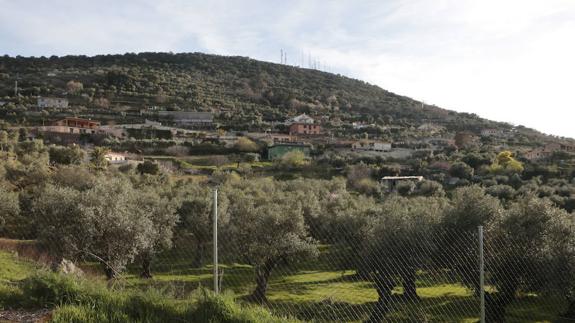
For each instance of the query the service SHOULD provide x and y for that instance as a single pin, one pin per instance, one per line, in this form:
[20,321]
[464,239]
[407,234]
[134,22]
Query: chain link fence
[430,276]
[405,268]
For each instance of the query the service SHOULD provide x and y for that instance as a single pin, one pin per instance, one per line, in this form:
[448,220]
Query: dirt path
[21,316]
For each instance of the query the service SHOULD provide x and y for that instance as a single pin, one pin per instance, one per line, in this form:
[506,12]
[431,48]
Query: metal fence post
[215,242]
[481,276]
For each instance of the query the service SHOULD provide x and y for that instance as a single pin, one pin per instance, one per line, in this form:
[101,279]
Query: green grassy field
[311,291]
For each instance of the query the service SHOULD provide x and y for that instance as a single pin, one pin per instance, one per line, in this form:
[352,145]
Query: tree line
[130,216]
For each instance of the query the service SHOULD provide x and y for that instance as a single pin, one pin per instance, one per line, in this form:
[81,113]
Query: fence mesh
[383,272]
[426,277]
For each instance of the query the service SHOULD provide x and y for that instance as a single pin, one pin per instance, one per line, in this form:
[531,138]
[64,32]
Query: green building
[277,151]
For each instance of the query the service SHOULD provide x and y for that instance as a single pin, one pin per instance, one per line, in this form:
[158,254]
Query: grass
[314,291]
[26,286]
[13,269]
[307,291]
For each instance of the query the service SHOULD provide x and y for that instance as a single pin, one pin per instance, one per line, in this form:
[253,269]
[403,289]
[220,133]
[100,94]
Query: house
[72,126]
[370,145]
[304,129]
[116,158]
[76,125]
[302,118]
[392,181]
[277,151]
[43,102]
[188,118]
[548,150]
[69,130]
[537,154]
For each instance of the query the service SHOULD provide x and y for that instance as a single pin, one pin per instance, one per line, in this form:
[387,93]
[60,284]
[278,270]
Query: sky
[505,60]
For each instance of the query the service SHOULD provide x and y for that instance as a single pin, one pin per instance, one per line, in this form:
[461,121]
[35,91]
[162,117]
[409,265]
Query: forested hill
[249,89]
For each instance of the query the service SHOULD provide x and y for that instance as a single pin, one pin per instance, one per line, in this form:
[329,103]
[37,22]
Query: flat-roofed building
[188,118]
[50,102]
[371,145]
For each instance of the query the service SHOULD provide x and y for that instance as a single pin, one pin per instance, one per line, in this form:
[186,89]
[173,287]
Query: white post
[215,242]
[481,276]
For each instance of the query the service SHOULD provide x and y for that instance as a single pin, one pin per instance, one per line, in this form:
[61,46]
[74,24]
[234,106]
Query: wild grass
[308,291]
[26,286]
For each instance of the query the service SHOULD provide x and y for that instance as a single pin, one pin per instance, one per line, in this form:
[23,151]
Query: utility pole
[215,243]
[16,85]
[481,277]
[281,56]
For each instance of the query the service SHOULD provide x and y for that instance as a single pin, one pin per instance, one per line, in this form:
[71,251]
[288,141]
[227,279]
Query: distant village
[301,133]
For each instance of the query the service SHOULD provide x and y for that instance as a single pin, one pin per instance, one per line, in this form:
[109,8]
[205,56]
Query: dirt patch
[31,316]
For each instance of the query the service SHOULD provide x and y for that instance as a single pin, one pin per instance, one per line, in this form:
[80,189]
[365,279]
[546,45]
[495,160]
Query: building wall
[305,129]
[65,129]
[52,102]
[372,146]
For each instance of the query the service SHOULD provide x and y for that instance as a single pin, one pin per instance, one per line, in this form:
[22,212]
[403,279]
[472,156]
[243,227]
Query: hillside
[246,90]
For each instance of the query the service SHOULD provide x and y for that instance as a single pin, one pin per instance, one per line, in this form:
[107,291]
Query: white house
[370,145]
[115,158]
[302,118]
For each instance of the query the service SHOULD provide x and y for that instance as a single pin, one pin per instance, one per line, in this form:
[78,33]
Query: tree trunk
[384,285]
[146,266]
[199,256]
[262,276]
[496,303]
[110,272]
[409,289]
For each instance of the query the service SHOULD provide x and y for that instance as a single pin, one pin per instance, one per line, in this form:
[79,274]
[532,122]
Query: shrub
[504,192]
[430,188]
[46,289]
[405,188]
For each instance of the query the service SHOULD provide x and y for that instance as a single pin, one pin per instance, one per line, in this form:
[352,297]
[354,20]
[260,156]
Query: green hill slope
[243,89]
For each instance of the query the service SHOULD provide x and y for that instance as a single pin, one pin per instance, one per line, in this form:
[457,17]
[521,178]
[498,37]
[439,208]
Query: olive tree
[9,208]
[161,210]
[195,212]
[110,221]
[398,242]
[471,207]
[266,229]
[66,155]
[529,250]
[98,158]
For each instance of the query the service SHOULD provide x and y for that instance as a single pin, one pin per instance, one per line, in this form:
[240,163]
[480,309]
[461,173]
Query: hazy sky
[507,60]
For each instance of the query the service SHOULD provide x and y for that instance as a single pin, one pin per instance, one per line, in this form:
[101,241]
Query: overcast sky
[507,60]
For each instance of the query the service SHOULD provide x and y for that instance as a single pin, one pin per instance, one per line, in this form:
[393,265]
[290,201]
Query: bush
[46,290]
[367,186]
[148,167]
[245,144]
[405,188]
[503,192]
[430,188]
